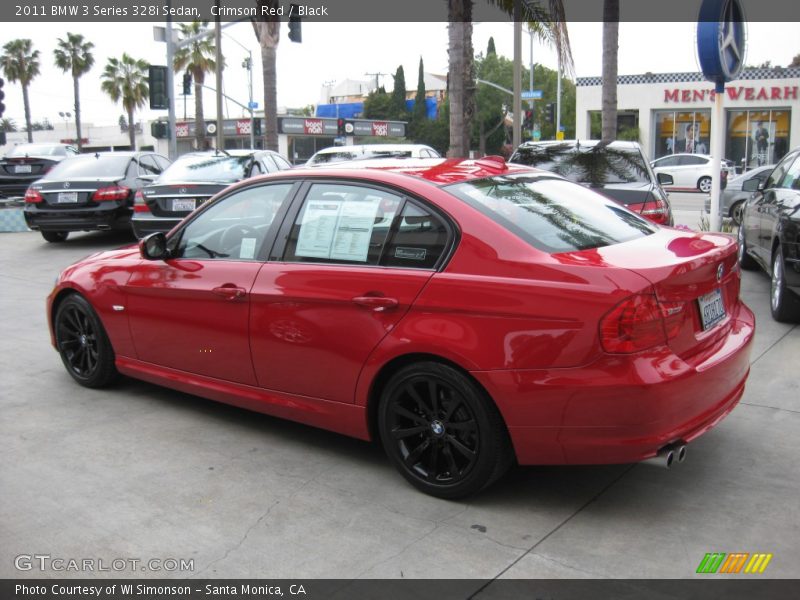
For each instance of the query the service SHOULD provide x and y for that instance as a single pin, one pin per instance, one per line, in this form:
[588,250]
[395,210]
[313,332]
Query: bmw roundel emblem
[720,271]
[66,184]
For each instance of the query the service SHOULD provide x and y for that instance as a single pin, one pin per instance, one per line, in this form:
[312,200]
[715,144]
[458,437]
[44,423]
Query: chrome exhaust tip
[664,459]
[680,453]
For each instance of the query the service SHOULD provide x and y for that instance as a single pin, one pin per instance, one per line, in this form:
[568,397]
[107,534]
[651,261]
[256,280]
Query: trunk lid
[177,199]
[75,193]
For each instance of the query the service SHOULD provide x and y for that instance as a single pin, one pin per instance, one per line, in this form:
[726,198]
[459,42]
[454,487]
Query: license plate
[712,309]
[184,204]
[22,169]
[67,197]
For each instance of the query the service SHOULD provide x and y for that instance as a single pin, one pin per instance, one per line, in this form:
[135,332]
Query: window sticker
[354,229]
[317,228]
[248,248]
[410,253]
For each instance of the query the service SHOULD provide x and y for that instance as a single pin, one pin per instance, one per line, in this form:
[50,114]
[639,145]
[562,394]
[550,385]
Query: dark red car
[466,313]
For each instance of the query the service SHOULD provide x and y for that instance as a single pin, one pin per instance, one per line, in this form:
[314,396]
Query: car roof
[440,171]
[373,148]
[579,143]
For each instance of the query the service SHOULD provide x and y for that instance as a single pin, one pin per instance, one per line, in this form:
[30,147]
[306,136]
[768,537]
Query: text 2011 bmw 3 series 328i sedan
[469,314]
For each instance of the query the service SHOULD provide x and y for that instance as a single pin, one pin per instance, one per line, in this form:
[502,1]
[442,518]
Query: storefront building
[298,137]
[671,113]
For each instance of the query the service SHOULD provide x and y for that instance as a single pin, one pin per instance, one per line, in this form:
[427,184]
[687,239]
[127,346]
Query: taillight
[113,192]
[139,205]
[640,322]
[656,210]
[33,196]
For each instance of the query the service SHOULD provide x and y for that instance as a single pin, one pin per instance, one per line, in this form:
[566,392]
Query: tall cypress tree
[420,110]
[399,94]
[491,49]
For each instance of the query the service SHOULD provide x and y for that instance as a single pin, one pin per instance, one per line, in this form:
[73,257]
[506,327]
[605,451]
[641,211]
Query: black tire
[736,213]
[442,432]
[55,236]
[704,184]
[746,261]
[783,303]
[83,344]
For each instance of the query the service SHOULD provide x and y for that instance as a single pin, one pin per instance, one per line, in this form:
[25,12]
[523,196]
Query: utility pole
[517,101]
[173,142]
[376,75]
[218,43]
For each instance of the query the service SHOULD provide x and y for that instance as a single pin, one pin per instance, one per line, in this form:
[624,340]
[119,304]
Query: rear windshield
[90,165]
[223,169]
[594,165]
[37,150]
[334,157]
[551,214]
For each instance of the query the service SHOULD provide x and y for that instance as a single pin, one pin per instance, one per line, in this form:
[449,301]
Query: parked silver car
[733,198]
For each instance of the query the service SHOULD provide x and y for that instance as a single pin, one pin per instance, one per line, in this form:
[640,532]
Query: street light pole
[173,142]
[218,42]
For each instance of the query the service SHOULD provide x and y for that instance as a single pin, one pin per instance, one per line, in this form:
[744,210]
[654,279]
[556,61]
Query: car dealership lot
[143,472]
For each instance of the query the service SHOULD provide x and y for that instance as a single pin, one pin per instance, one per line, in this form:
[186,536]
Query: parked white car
[691,171]
[344,153]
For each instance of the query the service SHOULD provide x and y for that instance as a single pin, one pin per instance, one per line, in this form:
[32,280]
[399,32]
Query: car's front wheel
[784,304]
[55,236]
[737,212]
[83,344]
[441,431]
[704,184]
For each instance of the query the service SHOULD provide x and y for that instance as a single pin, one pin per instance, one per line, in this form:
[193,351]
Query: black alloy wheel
[784,304]
[83,344]
[442,432]
[55,236]
[746,261]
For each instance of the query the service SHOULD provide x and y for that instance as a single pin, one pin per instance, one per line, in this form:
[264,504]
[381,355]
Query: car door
[667,165]
[190,312]
[355,258]
[780,200]
[765,205]
[690,170]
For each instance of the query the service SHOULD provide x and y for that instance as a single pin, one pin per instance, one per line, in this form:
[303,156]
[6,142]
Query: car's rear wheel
[441,431]
[83,344]
[784,304]
[704,184]
[737,212]
[55,236]
[746,261]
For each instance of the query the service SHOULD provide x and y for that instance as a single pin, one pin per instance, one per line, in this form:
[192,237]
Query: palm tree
[20,62]
[549,26]
[75,55]
[198,59]
[125,79]
[267,30]
[610,51]
[7,125]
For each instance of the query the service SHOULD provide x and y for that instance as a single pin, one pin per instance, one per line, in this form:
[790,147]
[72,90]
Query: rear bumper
[14,188]
[79,219]
[621,409]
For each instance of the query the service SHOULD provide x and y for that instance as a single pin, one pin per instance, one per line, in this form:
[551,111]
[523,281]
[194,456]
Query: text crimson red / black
[734,93]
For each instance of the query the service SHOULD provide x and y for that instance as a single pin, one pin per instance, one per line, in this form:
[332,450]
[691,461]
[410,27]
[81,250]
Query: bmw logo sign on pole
[721,44]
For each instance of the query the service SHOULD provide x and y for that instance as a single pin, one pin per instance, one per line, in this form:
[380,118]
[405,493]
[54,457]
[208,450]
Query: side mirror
[154,246]
[665,179]
[752,185]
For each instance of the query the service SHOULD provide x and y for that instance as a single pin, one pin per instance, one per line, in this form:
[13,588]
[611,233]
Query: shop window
[680,132]
[757,137]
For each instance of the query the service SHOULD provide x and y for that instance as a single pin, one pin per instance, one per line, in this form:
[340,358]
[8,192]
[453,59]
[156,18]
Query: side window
[692,160]
[282,163]
[162,162]
[777,175]
[233,228]
[418,241]
[342,224]
[256,169]
[270,164]
[670,161]
[791,179]
[148,166]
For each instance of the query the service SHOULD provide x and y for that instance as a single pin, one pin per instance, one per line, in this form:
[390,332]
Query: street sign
[560,135]
[532,95]
[252,105]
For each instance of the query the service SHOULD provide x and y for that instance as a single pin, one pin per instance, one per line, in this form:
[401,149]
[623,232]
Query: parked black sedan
[194,178]
[26,163]
[769,236]
[89,192]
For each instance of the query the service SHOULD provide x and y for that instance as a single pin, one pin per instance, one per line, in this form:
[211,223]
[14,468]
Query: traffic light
[527,121]
[187,84]
[295,33]
[2,95]
[157,80]
[159,130]
[550,113]
[257,127]
[340,127]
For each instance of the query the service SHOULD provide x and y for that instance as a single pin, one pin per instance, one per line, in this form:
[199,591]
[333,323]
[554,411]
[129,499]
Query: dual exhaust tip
[668,456]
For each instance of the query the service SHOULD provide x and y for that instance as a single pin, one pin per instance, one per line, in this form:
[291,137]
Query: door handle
[376,303]
[230,291]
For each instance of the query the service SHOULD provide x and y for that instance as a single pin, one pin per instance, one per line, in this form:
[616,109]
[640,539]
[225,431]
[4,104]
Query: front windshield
[594,165]
[551,214]
[216,168]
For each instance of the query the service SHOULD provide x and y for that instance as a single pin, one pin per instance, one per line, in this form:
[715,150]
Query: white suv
[345,153]
[690,171]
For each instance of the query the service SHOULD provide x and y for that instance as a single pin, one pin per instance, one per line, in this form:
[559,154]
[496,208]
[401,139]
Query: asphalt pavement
[142,472]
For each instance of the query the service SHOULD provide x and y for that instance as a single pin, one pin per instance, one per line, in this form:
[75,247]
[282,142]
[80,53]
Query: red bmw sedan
[467,314]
